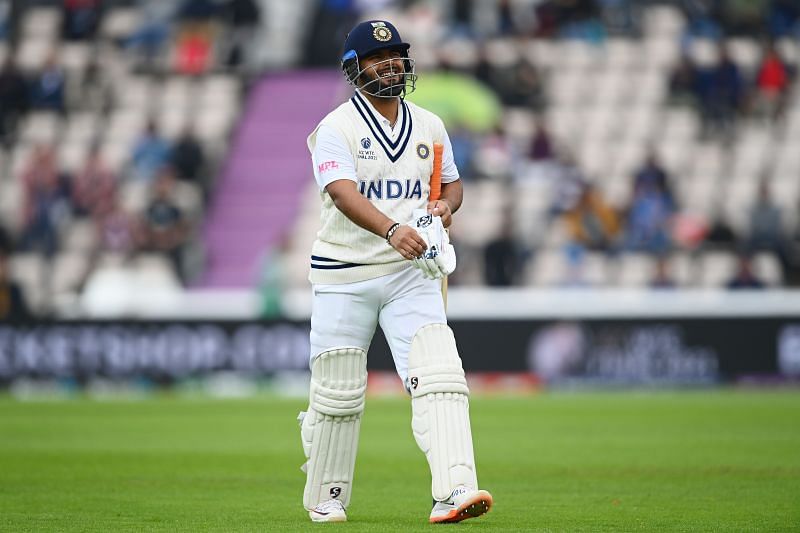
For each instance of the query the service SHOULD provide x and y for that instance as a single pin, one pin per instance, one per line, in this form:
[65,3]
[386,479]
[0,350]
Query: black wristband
[391,232]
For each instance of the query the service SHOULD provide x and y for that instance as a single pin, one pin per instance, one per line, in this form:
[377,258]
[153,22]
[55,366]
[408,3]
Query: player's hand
[407,242]
[440,208]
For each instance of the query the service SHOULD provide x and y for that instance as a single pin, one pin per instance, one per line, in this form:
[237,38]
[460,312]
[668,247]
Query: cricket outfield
[712,460]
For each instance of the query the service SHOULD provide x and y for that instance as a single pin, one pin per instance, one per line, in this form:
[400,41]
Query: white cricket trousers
[402,303]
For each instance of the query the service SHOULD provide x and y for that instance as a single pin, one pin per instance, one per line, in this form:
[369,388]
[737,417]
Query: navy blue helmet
[366,39]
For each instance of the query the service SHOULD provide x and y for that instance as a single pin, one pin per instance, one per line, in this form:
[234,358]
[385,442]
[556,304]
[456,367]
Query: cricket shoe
[328,511]
[463,503]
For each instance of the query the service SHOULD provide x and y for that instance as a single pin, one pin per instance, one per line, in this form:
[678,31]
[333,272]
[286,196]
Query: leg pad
[440,409]
[329,430]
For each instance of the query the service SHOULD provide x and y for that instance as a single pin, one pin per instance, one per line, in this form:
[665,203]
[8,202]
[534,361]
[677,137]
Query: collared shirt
[331,147]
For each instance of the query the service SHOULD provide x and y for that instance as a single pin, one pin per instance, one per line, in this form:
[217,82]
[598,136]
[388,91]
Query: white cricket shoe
[463,503]
[328,511]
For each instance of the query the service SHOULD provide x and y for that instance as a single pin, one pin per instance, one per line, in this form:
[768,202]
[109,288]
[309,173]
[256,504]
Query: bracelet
[391,232]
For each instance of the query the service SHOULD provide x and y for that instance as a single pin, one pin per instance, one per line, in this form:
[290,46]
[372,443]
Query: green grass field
[695,461]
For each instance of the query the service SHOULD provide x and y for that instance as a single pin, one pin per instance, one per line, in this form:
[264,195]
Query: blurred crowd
[725,93]
[127,193]
[151,198]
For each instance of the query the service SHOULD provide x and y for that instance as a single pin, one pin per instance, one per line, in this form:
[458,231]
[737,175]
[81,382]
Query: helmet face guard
[382,78]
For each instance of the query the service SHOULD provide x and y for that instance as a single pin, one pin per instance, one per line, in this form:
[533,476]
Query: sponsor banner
[163,351]
[630,352]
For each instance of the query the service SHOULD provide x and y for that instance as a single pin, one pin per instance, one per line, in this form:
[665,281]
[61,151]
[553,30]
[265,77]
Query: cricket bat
[436,193]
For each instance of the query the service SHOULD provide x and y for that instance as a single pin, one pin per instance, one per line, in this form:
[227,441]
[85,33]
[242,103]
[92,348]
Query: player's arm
[452,192]
[353,205]
[335,171]
[450,201]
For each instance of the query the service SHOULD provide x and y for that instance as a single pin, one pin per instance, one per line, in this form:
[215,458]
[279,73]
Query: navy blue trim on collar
[365,106]
[407,134]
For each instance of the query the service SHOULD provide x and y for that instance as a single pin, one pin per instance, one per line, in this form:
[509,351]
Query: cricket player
[378,259]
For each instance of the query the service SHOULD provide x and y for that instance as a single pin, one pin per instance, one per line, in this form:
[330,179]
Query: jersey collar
[375,122]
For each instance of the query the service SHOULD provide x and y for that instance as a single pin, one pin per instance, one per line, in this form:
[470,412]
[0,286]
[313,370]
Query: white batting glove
[439,259]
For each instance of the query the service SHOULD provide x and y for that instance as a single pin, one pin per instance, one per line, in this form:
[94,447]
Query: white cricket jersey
[392,168]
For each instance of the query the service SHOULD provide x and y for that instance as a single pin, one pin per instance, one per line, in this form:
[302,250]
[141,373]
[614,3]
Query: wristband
[391,232]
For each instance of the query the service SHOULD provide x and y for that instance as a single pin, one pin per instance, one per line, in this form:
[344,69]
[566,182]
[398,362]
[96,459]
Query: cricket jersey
[391,167]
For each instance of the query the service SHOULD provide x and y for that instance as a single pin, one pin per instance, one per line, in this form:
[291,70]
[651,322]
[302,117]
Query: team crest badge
[423,151]
[366,143]
[382,33]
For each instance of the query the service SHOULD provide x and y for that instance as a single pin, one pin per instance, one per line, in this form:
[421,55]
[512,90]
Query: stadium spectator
[495,155]
[704,19]
[744,277]
[772,84]
[5,241]
[48,86]
[150,154]
[80,19]
[579,19]
[662,279]
[188,158]
[192,11]
[331,21]
[502,258]
[743,17]
[649,217]
[10,16]
[683,83]
[567,18]
[766,231]
[94,186]
[464,146]
[46,201]
[574,275]
[243,18]
[568,183]
[541,148]
[5,10]
[152,33]
[543,163]
[194,48]
[515,80]
[621,16]
[720,92]
[720,235]
[592,224]
[117,230]
[272,284]
[784,18]
[12,300]
[164,226]
[653,173]
[14,96]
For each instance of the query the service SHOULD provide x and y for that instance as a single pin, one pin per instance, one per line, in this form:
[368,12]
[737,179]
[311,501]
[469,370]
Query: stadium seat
[119,22]
[41,127]
[41,22]
[32,53]
[716,268]
[635,270]
[664,21]
[745,52]
[80,237]
[768,268]
[69,271]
